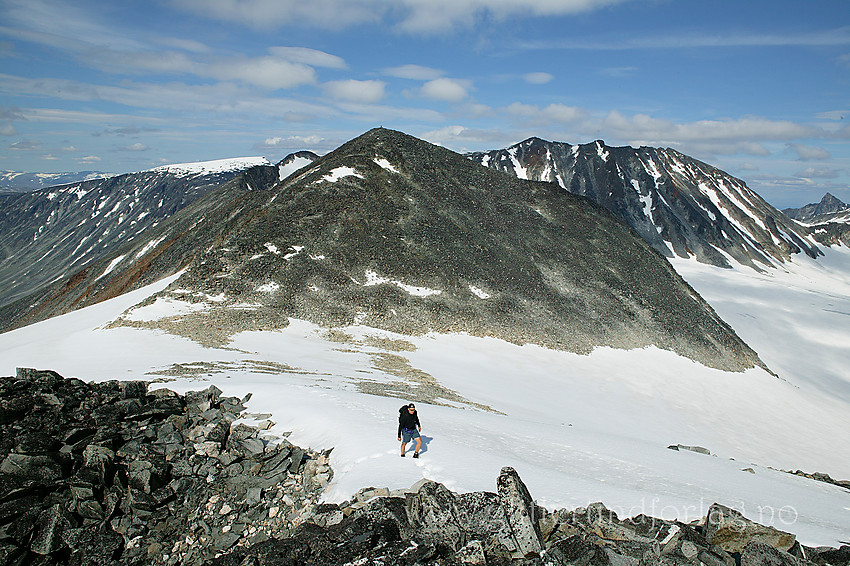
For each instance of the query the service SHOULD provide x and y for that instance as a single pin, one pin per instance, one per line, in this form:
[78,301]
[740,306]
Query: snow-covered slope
[681,206]
[213,167]
[577,428]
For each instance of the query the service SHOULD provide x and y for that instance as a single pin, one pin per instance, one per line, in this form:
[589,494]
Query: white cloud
[560,113]
[747,129]
[538,78]
[442,16]
[271,14]
[416,16]
[823,37]
[8,129]
[25,145]
[819,172]
[808,153]
[307,56]
[135,147]
[415,72]
[299,142]
[456,136]
[351,90]
[89,159]
[448,90]
[268,72]
[183,44]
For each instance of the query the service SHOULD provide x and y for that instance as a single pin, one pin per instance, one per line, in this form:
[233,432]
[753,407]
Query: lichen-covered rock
[731,531]
[520,510]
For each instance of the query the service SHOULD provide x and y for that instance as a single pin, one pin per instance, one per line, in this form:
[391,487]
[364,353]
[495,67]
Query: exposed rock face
[680,205]
[111,473]
[391,232]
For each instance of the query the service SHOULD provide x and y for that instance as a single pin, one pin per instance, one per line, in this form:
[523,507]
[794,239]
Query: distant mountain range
[681,206]
[49,233]
[18,182]
[386,231]
[829,209]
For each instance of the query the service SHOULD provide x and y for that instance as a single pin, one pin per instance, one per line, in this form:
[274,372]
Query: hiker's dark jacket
[408,421]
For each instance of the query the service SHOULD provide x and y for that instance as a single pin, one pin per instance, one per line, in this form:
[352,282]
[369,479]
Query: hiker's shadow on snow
[425,441]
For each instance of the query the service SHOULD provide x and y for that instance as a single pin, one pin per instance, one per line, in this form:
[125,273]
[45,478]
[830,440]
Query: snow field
[577,428]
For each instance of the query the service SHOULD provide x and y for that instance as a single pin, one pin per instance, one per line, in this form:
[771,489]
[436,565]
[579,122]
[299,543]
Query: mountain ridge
[681,206]
[828,209]
[395,233]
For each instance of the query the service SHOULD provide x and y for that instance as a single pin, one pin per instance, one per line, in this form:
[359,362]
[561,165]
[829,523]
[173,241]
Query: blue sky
[759,88]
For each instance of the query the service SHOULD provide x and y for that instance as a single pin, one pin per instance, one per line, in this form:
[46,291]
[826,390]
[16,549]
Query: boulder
[520,511]
[50,526]
[762,554]
[732,532]
[432,510]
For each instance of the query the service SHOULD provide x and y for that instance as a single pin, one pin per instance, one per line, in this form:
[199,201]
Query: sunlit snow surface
[215,166]
[577,428]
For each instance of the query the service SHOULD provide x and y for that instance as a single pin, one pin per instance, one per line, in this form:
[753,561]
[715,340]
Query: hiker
[409,428]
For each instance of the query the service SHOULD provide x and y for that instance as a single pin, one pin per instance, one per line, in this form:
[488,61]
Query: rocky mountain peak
[392,232]
[830,208]
[679,205]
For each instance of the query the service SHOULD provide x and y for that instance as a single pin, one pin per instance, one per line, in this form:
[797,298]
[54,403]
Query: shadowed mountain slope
[681,206]
[392,232]
[49,233]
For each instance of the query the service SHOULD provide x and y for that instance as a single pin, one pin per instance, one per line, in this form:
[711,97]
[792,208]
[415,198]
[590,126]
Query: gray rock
[432,510]
[731,531]
[50,526]
[37,467]
[472,553]
[134,389]
[762,554]
[697,449]
[200,401]
[520,511]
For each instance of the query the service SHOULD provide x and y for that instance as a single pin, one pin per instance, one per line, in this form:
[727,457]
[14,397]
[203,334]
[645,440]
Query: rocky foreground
[111,473]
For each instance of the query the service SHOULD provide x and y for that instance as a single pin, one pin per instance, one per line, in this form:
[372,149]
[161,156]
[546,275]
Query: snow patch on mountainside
[164,307]
[211,167]
[386,165]
[340,172]
[373,278]
[285,170]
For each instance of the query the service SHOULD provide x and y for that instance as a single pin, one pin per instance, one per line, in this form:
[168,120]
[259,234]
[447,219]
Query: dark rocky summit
[114,474]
